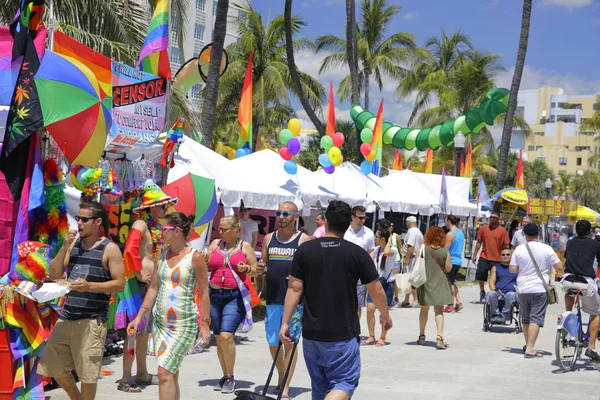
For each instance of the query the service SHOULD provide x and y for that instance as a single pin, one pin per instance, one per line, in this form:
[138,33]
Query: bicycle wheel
[567,350]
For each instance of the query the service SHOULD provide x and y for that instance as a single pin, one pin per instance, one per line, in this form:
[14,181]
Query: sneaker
[229,385]
[592,354]
[449,309]
[482,297]
[219,385]
[394,303]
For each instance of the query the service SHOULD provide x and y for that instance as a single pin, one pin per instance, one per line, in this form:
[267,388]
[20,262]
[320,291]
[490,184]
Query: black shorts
[483,269]
[453,274]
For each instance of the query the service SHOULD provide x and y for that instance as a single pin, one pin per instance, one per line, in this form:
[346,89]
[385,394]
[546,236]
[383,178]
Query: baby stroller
[514,316]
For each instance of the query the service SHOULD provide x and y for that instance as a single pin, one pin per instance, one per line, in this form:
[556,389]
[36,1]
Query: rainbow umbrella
[73,110]
[197,195]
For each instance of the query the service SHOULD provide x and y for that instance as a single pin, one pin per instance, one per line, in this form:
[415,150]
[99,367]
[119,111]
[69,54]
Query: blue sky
[563,45]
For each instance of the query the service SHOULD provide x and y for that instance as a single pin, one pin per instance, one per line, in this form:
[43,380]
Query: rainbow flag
[429,161]
[130,299]
[330,128]
[520,178]
[32,335]
[462,166]
[469,164]
[377,141]
[154,57]
[245,110]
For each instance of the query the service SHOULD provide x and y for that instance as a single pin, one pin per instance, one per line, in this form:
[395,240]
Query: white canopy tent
[405,193]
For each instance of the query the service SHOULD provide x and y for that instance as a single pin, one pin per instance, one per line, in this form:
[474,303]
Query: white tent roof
[405,193]
[263,183]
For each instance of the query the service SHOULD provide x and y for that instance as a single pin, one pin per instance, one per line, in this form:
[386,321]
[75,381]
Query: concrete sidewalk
[476,365]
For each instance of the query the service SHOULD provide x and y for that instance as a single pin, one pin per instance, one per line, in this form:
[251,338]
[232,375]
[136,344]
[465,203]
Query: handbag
[245,325]
[404,286]
[417,277]
[550,289]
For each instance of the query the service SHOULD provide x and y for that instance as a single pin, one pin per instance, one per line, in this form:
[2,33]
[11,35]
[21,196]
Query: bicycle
[570,338]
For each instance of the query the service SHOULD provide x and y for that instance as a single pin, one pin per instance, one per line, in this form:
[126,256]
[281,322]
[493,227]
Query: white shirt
[363,238]
[528,280]
[247,228]
[518,238]
[390,262]
[413,238]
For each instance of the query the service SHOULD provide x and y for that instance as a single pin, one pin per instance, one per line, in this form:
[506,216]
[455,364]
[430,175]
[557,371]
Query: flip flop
[536,355]
[129,388]
[369,341]
[152,381]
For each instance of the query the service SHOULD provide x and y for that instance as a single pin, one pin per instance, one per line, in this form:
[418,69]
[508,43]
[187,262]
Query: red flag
[330,129]
[462,166]
[520,178]
[469,163]
[429,161]
[397,164]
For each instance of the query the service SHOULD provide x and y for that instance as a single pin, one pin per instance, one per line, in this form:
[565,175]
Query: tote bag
[417,277]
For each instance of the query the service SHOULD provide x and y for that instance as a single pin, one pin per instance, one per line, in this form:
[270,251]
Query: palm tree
[352,52]
[563,186]
[585,188]
[514,91]
[379,56]
[271,78]
[593,125]
[289,48]
[211,90]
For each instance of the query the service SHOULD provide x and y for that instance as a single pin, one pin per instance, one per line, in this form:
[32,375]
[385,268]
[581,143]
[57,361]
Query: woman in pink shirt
[228,256]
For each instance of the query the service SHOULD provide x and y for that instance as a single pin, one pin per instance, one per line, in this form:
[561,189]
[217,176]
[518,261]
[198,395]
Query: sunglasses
[165,228]
[84,219]
[493,217]
[284,214]
[224,230]
[361,218]
[506,255]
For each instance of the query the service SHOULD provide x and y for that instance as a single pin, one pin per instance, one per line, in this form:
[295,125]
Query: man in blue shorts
[325,271]
[278,253]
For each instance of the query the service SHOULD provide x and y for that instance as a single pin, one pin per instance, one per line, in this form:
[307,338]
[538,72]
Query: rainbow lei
[155,232]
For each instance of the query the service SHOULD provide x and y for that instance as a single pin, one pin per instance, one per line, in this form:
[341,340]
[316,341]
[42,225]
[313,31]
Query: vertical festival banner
[139,103]
[120,215]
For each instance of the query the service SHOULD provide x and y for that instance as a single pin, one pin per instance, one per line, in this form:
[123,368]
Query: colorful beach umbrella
[74,112]
[197,195]
[512,195]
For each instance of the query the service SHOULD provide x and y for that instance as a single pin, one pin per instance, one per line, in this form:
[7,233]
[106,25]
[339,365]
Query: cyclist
[579,274]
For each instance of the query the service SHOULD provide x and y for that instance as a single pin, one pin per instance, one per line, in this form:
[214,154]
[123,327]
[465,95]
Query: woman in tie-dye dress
[171,295]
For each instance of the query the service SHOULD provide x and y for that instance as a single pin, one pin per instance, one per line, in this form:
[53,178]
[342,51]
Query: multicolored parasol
[197,195]
[512,195]
[74,112]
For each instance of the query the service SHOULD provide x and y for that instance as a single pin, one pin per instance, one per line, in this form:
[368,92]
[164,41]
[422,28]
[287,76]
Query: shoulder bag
[550,290]
[437,260]
[418,276]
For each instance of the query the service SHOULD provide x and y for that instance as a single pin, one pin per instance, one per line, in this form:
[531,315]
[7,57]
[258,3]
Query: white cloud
[535,78]
[410,15]
[568,3]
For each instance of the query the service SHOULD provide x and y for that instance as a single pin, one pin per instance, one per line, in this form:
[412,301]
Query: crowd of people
[314,287]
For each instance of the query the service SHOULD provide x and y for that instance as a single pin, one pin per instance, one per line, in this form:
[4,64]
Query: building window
[196,91]
[542,159]
[552,118]
[552,105]
[538,147]
[199,32]
[530,148]
[201,5]
[539,133]
[174,55]
[215,8]
[578,161]
[562,160]
[565,118]
[582,148]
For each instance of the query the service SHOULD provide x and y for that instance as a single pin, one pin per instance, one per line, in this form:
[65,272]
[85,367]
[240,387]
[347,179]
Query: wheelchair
[514,317]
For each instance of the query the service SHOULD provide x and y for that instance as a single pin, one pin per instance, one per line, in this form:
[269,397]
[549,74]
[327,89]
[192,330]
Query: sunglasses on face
[166,228]
[84,219]
[493,217]
[506,255]
[244,209]
[284,214]
[224,230]
[361,218]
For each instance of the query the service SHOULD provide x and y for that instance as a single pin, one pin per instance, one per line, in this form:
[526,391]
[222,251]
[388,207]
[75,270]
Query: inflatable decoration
[84,177]
[174,137]
[291,145]
[473,121]
[332,141]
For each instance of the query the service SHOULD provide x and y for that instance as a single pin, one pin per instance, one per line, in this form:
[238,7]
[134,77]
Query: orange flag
[469,164]
[429,162]
[520,178]
[397,164]
[330,128]
[462,166]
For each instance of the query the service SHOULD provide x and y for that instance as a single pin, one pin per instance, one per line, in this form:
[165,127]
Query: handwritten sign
[122,143]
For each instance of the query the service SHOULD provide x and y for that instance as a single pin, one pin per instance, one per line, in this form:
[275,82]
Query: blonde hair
[233,220]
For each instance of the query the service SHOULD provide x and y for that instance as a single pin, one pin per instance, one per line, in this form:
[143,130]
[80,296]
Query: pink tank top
[220,274]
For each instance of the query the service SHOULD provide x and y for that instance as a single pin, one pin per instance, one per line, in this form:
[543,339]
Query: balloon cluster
[366,136]
[244,151]
[332,157]
[291,145]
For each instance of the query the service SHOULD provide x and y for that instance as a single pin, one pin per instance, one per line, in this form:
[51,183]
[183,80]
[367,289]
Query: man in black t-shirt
[580,254]
[325,271]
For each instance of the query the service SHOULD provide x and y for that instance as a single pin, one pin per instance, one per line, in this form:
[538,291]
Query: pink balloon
[338,139]
[285,153]
[365,149]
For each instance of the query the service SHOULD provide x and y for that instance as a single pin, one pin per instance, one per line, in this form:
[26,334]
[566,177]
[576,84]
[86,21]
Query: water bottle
[131,342]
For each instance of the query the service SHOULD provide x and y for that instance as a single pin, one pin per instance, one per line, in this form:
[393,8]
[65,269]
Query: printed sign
[139,103]
[550,207]
[122,143]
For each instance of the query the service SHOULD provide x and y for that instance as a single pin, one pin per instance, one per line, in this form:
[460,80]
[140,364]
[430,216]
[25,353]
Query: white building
[199,33]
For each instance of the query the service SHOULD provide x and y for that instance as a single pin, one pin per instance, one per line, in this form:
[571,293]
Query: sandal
[129,388]
[536,355]
[439,343]
[369,341]
[152,381]
[421,340]
[380,342]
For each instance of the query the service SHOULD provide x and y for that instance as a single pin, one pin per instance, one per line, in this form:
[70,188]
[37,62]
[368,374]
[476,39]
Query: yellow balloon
[334,153]
[231,154]
[338,162]
[295,126]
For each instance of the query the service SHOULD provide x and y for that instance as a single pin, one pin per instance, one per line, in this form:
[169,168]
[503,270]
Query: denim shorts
[273,323]
[332,366]
[226,309]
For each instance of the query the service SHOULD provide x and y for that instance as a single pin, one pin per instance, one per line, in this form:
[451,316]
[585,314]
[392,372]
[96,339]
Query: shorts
[226,309]
[483,269]
[361,294]
[388,288]
[75,345]
[453,274]
[273,323]
[332,366]
[533,307]
[588,299]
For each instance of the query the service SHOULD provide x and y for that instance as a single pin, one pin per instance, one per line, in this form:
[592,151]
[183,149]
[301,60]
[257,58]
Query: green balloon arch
[473,121]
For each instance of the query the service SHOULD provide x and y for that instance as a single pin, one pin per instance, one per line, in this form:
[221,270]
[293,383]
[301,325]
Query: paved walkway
[477,365]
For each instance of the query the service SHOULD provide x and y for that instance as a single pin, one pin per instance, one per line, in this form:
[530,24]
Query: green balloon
[388,135]
[474,120]
[371,123]
[385,126]
[362,118]
[422,140]
[285,135]
[460,124]
[366,135]
[447,133]
[326,142]
[355,110]
[411,138]
[434,137]
[400,138]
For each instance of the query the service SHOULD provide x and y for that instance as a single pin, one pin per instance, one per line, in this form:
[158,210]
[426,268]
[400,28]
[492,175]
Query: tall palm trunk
[352,55]
[211,92]
[514,91]
[289,50]
[367,78]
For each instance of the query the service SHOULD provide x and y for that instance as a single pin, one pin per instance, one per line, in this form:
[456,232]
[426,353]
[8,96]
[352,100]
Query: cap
[531,229]
[412,218]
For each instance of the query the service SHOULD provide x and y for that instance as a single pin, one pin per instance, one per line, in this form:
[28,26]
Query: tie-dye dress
[175,312]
